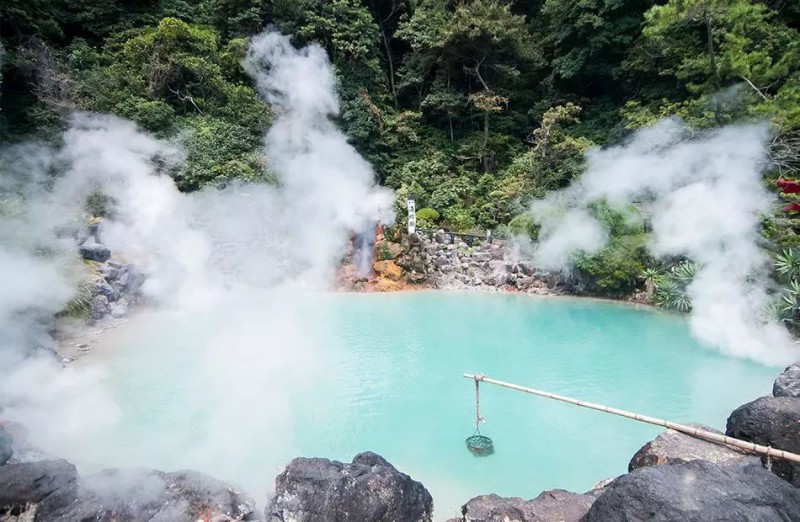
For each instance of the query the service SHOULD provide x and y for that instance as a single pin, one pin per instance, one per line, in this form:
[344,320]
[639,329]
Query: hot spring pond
[240,388]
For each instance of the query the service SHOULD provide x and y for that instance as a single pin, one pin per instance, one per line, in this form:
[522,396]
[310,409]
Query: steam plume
[705,196]
[230,260]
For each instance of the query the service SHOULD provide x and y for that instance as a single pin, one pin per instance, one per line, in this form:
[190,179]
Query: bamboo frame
[683,428]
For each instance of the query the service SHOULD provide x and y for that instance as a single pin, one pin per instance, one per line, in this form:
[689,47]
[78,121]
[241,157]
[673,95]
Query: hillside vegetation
[473,106]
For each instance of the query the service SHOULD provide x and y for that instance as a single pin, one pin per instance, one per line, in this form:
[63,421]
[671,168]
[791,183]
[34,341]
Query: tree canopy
[473,106]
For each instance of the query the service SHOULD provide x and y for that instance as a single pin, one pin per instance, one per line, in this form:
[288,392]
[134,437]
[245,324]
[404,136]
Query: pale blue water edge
[384,374]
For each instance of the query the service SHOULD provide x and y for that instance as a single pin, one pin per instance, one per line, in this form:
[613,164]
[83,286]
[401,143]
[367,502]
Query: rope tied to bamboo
[478,418]
[479,445]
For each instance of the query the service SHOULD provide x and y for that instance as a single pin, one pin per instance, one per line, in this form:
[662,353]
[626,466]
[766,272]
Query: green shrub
[612,272]
[524,225]
[428,214]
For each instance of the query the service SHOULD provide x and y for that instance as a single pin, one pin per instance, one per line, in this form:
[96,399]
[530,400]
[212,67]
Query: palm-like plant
[670,288]
[665,292]
[787,264]
[787,308]
[651,278]
[681,302]
[685,272]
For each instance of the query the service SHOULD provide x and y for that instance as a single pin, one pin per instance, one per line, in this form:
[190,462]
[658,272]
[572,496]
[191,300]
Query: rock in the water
[31,482]
[672,446]
[368,490]
[95,252]
[139,494]
[771,421]
[788,383]
[697,491]
[6,449]
[554,504]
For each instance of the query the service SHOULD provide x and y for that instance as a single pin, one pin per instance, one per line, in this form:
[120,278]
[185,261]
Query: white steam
[229,261]
[327,182]
[705,196]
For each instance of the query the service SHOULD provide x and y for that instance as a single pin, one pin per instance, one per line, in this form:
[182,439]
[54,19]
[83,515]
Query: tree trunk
[391,66]
[713,59]
[711,55]
[450,121]
[487,166]
[485,129]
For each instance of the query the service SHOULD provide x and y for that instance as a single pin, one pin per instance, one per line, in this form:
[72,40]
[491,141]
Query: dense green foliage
[475,107]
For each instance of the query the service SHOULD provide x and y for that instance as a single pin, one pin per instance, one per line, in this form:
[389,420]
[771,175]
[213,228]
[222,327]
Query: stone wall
[440,260]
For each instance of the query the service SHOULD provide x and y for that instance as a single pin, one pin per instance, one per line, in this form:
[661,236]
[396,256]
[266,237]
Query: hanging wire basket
[480,445]
[477,444]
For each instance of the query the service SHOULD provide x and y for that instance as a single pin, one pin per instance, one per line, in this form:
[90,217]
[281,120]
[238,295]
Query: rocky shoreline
[670,477]
[440,260]
[673,477]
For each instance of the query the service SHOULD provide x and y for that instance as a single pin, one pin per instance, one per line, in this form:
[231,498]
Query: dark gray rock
[771,421]
[367,490]
[140,494]
[526,268]
[788,383]
[99,307]
[555,504]
[105,289]
[109,273]
[131,280]
[697,491]
[95,252]
[6,446]
[31,482]
[672,447]
[415,278]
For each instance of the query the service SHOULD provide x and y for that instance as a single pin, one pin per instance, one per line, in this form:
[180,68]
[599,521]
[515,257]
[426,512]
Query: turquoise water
[239,393]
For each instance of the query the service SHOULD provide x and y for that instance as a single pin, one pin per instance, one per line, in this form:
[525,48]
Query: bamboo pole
[683,428]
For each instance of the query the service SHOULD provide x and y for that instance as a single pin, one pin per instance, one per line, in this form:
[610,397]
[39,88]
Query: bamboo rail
[683,428]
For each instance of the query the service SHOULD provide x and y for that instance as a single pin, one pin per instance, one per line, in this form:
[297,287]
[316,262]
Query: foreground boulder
[555,504]
[31,482]
[5,446]
[133,495]
[788,383]
[367,490]
[771,421]
[697,491]
[674,447]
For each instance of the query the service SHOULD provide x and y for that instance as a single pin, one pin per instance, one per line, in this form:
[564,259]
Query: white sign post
[412,216]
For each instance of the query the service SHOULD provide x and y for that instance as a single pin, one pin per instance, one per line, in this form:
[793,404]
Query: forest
[474,107]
